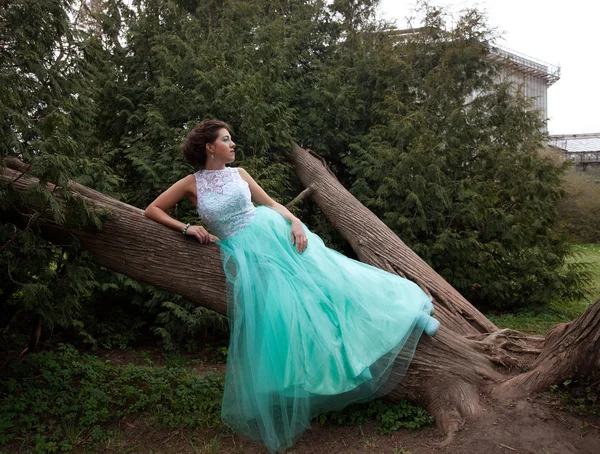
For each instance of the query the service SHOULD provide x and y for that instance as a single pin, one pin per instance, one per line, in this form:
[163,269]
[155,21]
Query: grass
[540,320]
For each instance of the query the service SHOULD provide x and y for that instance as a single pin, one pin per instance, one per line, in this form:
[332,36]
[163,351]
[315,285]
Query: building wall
[532,86]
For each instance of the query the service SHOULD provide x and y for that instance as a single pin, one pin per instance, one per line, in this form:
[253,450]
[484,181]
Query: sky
[560,33]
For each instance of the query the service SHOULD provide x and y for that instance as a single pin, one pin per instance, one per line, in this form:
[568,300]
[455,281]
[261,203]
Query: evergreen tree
[458,176]
[47,111]
[105,92]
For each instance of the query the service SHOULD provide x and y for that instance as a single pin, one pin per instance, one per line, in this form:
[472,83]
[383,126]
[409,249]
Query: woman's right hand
[200,232]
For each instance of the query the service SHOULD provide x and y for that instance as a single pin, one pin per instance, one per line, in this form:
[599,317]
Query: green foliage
[54,401]
[390,417]
[589,255]
[580,395]
[136,310]
[459,178]
[104,95]
[47,110]
[178,321]
[580,210]
[539,320]
[179,69]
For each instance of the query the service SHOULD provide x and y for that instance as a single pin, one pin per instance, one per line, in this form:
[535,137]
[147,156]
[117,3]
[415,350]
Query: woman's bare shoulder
[184,186]
[187,180]
[245,175]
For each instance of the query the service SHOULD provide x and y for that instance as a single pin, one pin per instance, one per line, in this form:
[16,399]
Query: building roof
[526,64]
[576,143]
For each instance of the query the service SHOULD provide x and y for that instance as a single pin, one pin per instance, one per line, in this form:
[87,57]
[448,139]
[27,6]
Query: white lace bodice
[224,202]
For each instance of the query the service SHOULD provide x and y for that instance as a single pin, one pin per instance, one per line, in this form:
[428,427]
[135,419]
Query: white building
[533,77]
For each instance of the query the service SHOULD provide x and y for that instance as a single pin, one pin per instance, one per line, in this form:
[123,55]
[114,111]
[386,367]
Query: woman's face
[223,147]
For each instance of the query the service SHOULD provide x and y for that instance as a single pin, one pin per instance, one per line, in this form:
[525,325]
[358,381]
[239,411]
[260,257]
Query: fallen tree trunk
[142,249]
[467,358]
[469,355]
[377,245]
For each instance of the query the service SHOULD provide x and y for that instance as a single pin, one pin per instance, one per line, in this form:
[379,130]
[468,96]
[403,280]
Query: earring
[212,156]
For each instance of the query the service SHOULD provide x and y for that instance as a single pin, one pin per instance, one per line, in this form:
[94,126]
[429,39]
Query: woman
[310,329]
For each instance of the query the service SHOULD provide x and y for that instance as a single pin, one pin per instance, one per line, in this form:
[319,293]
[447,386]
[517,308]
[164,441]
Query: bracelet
[185,228]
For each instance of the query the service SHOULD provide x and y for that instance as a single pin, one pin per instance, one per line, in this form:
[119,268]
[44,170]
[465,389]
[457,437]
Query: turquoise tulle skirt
[310,332]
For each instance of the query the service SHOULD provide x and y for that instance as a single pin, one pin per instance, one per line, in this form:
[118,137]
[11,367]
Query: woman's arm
[157,209]
[260,197]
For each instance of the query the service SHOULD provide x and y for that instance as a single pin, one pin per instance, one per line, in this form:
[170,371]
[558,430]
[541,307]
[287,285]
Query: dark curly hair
[194,147]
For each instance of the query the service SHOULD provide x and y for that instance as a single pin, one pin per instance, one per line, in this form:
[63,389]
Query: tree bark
[377,245]
[131,244]
[468,357]
[570,349]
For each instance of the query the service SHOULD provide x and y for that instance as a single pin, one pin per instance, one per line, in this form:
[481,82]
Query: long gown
[309,332]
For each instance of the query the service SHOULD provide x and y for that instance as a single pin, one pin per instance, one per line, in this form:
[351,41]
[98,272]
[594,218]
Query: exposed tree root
[570,349]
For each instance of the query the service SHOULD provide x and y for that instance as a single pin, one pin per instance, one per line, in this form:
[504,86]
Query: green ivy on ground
[390,417]
[53,400]
[579,395]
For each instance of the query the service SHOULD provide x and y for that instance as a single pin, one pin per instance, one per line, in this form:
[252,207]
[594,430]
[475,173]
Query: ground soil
[527,427]
[537,425]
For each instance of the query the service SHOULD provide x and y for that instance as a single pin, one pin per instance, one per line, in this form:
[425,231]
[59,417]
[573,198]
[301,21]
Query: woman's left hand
[299,236]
